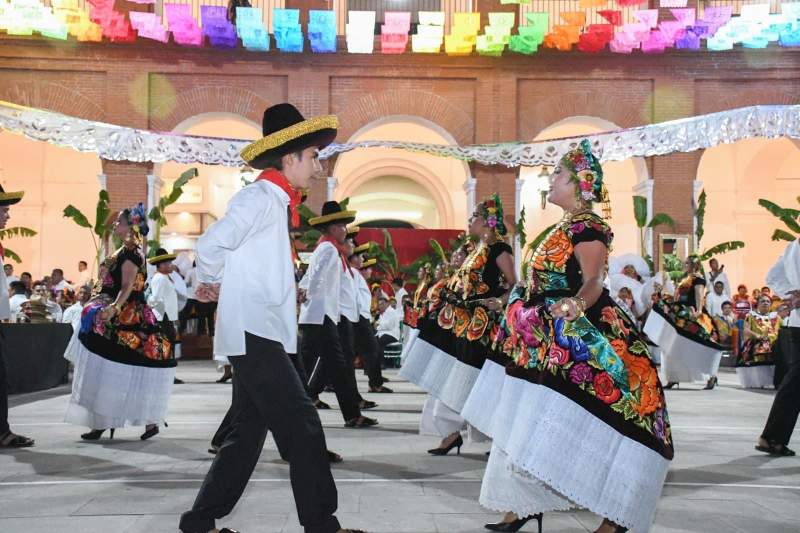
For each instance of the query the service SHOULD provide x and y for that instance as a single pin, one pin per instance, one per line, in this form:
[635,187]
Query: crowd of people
[556,367]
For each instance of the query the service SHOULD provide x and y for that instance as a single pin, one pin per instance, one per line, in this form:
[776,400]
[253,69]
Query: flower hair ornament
[586,171]
[491,210]
[137,220]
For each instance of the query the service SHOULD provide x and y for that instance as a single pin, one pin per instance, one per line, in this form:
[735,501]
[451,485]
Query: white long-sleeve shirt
[5,306]
[348,296]
[322,283]
[389,323]
[162,297]
[784,277]
[723,277]
[180,289]
[249,253]
[72,314]
[398,299]
[15,304]
[363,296]
[714,303]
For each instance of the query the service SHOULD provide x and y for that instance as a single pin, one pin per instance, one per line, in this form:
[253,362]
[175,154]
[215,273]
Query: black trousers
[787,352]
[323,342]
[226,426]
[3,393]
[367,345]
[268,396]
[786,405]
[383,342]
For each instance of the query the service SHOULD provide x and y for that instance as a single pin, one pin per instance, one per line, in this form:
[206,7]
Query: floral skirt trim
[131,337]
[756,352]
[700,330]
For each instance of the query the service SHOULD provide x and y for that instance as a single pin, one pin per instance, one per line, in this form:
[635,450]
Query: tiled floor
[717,483]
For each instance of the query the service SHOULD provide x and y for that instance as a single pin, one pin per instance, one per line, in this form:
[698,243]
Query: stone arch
[406,169]
[431,107]
[763,96]
[53,97]
[203,100]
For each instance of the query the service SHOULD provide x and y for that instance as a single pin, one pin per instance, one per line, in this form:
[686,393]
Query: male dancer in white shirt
[245,261]
[322,350]
[163,297]
[364,340]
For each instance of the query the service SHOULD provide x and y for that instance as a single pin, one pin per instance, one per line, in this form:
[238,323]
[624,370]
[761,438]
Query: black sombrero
[333,212]
[161,257]
[286,131]
[10,198]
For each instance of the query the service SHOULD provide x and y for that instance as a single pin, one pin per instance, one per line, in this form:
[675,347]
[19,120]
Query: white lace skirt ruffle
[409,336]
[106,394]
[756,377]
[507,488]
[682,359]
[439,374]
[483,400]
[577,455]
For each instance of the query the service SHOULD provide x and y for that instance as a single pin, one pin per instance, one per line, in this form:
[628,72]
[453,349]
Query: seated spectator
[27,279]
[726,324]
[9,270]
[387,330]
[19,295]
[741,302]
[40,291]
[716,298]
[72,314]
[57,281]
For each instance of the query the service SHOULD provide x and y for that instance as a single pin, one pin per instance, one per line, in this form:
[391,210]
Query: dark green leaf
[102,212]
[154,214]
[344,203]
[661,219]
[441,256]
[11,254]
[177,187]
[388,248]
[700,215]
[640,210]
[523,237]
[75,214]
[786,215]
[17,231]
[721,248]
[781,235]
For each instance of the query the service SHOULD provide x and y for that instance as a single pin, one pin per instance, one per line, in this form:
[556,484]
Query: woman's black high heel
[672,384]
[517,524]
[95,434]
[457,443]
[712,382]
[152,432]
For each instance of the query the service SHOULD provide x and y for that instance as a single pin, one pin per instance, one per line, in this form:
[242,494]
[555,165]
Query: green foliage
[640,210]
[7,252]
[158,213]
[17,231]
[781,235]
[721,248]
[700,215]
[661,219]
[786,215]
[75,214]
[102,212]
[520,228]
[673,266]
[440,255]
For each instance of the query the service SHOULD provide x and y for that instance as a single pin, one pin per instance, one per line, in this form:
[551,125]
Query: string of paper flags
[754,27]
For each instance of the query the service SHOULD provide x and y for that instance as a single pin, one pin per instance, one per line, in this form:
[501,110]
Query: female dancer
[454,341]
[124,363]
[688,339]
[755,364]
[579,418]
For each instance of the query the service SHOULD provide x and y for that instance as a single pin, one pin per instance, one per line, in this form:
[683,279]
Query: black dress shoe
[516,525]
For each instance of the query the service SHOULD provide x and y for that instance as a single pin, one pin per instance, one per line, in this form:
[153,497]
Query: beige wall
[734,177]
[441,178]
[214,185]
[620,178]
[52,178]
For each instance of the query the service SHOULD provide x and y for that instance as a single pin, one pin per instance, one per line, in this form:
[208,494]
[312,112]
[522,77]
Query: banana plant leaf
[102,212]
[721,248]
[786,215]
[640,211]
[17,231]
[520,228]
[781,235]
[441,256]
[700,215]
[661,219]
[75,214]
[11,254]
[388,249]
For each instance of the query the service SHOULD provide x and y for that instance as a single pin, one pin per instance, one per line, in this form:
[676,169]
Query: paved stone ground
[717,483]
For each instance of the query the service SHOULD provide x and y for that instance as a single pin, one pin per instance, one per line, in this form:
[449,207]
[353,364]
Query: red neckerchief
[295,197]
[340,248]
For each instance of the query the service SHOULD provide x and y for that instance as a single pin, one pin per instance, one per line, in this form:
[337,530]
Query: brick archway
[200,100]
[426,105]
[52,97]
[556,108]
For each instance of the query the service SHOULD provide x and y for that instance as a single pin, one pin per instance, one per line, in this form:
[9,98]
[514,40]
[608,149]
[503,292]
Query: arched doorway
[52,178]
[621,179]
[420,189]
[734,177]
[206,197]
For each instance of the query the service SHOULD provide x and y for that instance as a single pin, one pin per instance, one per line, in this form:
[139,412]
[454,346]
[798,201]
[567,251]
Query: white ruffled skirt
[683,360]
[107,394]
[756,377]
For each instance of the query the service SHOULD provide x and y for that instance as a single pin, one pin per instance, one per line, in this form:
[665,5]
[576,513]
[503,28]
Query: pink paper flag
[671,31]
[654,44]
[647,16]
[686,16]
[673,3]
